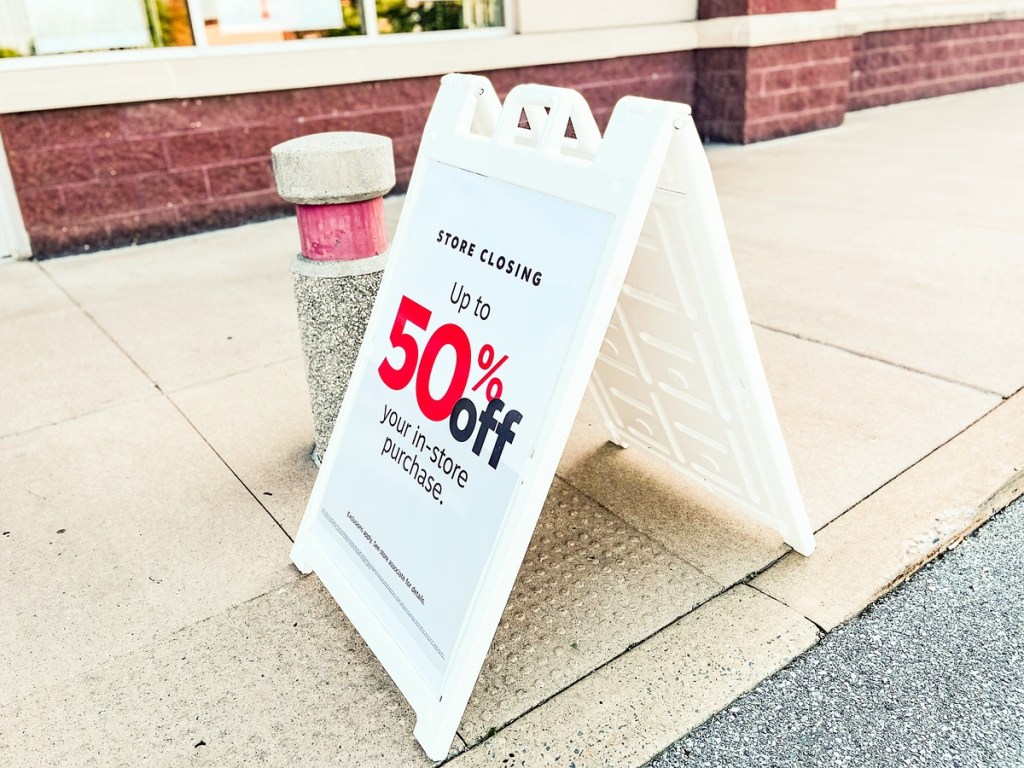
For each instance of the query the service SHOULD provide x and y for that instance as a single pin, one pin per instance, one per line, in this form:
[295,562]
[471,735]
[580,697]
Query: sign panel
[512,250]
[440,430]
[502,277]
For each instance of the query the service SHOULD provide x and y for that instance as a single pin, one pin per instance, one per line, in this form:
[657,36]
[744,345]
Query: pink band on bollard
[342,232]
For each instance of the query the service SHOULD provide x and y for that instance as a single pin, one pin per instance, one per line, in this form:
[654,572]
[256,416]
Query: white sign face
[489,290]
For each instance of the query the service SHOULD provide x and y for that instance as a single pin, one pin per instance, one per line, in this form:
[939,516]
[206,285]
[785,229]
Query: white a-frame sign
[515,242]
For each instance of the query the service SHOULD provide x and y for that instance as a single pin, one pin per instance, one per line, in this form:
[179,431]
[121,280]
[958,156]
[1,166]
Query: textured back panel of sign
[679,376]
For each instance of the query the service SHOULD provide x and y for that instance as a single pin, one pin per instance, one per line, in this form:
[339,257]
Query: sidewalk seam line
[833,207]
[866,356]
[747,580]
[235,374]
[821,630]
[909,467]
[229,467]
[166,397]
[632,646]
[77,416]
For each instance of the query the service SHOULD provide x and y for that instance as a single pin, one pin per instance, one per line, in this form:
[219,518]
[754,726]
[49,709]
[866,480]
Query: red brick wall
[669,76]
[720,104]
[796,88]
[712,9]
[99,177]
[753,94]
[907,64]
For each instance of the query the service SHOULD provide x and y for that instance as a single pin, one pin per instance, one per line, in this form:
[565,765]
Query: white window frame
[367,12]
[68,80]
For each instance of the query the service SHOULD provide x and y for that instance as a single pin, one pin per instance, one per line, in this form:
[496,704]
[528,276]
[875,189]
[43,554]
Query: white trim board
[75,80]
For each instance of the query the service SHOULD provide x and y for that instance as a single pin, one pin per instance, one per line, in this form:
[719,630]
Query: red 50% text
[463,417]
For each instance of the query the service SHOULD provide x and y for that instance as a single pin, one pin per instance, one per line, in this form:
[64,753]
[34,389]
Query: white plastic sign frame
[613,178]
[418,541]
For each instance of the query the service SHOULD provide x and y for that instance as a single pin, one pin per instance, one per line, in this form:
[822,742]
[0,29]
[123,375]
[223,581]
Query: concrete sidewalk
[155,437]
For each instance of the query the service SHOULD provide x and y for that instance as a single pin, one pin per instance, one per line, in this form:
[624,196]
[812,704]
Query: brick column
[752,94]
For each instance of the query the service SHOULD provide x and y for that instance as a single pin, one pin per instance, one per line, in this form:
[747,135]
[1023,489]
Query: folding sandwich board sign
[505,274]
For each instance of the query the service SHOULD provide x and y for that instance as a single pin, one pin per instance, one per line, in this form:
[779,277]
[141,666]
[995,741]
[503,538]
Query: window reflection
[260,21]
[397,16]
[39,27]
[173,26]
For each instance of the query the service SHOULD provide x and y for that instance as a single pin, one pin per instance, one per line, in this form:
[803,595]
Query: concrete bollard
[337,182]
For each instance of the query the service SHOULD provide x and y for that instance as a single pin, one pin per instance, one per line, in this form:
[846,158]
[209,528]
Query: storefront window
[42,27]
[228,22]
[411,16]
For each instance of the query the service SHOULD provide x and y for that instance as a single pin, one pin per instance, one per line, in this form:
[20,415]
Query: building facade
[115,147]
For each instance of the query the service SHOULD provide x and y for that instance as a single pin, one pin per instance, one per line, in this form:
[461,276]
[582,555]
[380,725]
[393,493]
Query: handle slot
[548,111]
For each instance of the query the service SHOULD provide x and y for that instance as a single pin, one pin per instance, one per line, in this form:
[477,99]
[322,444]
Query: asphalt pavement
[931,675]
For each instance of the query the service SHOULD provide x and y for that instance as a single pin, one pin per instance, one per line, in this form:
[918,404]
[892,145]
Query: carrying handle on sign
[548,110]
